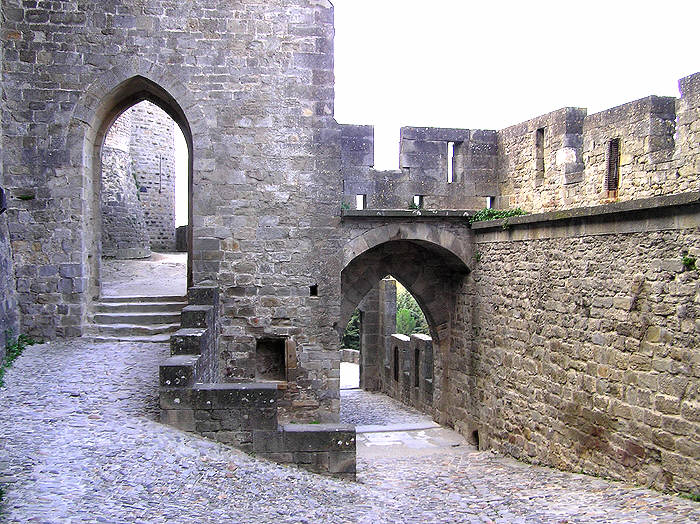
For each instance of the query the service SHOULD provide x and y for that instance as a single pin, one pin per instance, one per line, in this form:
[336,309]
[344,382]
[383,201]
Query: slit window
[396,363]
[612,177]
[539,152]
[490,202]
[416,367]
[418,201]
[450,161]
[361,202]
[313,290]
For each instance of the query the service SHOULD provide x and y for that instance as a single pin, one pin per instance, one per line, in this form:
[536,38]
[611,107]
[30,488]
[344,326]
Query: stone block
[188,341]
[319,437]
[178,371]
[342,462]
[197,316]
[179,418]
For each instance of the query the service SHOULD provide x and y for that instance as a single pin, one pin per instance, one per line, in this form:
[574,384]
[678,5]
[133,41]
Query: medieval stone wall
[8,302]
[426,155]
[153,163]
[252,83]
[580,351]
[124,232]
[555,161]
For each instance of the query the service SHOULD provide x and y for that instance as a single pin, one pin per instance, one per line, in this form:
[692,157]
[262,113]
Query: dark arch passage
[429,272]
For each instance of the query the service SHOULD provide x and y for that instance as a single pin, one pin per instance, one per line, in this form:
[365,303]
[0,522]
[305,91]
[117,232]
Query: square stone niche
[270,359]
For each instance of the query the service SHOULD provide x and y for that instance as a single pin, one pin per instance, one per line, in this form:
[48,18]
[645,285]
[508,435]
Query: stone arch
[429,271]
[108,97]
[459,246]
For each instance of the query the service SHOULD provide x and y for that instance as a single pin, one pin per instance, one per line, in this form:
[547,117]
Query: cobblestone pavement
[363,407]
[79,442]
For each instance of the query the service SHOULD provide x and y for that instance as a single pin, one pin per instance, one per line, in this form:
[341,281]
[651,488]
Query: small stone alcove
[270,359]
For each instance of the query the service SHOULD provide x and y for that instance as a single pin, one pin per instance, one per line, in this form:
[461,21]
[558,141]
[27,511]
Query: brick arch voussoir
[432,234]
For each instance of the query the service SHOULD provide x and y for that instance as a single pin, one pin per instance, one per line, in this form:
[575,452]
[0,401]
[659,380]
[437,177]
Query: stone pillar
[370,341]
[124,233]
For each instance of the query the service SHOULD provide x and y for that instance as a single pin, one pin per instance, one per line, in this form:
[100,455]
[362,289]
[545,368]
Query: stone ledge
[613,210]
[359,214]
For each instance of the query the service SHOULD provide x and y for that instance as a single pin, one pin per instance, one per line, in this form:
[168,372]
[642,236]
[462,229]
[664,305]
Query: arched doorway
[407,368]
[132,170]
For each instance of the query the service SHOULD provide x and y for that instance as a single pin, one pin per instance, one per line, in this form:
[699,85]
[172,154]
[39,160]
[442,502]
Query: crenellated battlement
[559,160]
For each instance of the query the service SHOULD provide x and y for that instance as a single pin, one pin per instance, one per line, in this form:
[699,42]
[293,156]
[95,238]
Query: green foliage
[405,323]
[13,349]
[417,323]
[477,256]
[413,205]
[495,214]
[690,496]
[345,206]
[351,337]
[26,197]
[690,262]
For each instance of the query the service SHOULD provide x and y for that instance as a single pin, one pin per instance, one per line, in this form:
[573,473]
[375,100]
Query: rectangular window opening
[361,202]
[539,152]
[416,367]
[313,290]
[612,176]
[450,161]
[396,363]
[270,359]
[490,201]
[418,201]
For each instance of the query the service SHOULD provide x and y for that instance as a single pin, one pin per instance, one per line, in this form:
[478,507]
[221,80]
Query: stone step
[147,319]
[197,316]
[138,307]
[127,330]
[161,338]
[179,371]
[162,298]
[188,341]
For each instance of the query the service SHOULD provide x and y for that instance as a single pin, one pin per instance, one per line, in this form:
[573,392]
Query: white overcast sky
[492,63]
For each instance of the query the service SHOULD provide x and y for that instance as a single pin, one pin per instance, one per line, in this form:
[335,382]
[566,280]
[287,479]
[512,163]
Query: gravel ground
[79,442]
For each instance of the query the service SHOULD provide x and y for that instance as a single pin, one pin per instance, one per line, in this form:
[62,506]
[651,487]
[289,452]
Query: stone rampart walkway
[79,442]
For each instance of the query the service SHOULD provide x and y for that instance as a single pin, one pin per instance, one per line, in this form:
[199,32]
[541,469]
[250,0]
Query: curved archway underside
[428,271]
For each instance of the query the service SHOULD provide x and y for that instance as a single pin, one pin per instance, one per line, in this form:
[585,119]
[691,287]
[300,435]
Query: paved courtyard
[80,442]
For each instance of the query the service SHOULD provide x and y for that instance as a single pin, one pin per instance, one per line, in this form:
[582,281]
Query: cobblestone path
[79,442]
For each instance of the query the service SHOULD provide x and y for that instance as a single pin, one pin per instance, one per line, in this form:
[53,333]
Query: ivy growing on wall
[495,214]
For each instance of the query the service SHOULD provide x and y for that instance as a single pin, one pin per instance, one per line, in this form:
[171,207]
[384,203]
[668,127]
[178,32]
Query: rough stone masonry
[568,338]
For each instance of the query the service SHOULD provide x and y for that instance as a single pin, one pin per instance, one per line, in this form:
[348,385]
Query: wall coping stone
[613,210]
[248,386]
[318,428]
[358,214]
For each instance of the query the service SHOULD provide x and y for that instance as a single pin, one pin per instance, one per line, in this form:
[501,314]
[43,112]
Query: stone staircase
[136,319]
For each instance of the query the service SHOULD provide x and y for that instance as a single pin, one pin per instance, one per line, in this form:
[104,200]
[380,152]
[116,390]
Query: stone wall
[424,157]
[245,415]
[251,84]
[576,344]
[408,370]
[153,163]
[124,233]
[8,302]
[555,161]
